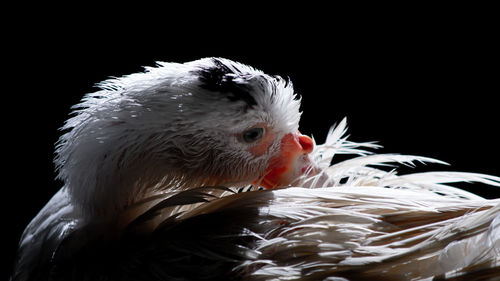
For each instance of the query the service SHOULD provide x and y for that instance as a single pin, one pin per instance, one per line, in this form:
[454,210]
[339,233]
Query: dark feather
[204,247]
[220,78]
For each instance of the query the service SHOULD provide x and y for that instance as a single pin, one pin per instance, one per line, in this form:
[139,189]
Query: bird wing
[365,233]
[311,234]
[43,236]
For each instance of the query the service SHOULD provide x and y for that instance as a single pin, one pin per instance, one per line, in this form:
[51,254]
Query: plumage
[160,185]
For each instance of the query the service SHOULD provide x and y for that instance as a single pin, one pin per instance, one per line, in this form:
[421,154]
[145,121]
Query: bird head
[207,122]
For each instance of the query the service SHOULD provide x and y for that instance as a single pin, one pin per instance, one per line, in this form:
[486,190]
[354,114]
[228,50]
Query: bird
[198,171]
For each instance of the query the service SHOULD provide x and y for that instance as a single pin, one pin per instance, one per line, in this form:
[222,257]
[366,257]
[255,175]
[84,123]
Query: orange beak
[292,161]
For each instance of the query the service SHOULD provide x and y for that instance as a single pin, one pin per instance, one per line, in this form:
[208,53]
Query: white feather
[356,220]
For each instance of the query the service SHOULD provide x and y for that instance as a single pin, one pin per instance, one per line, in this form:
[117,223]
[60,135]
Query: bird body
[161,175]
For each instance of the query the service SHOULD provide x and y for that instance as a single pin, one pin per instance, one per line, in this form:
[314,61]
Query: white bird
[162,170]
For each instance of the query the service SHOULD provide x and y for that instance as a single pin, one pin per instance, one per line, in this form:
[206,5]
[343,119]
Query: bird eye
[253,134]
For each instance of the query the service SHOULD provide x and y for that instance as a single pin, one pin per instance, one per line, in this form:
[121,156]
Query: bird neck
[108,178]
[117,187]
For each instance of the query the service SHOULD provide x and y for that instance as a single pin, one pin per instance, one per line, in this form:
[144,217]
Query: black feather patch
[220,78]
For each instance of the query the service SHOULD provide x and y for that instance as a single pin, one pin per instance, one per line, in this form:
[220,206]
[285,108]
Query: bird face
[272,158]
[261,114]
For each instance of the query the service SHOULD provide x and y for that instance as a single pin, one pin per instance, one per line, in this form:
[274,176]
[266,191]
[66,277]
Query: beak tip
[306,143]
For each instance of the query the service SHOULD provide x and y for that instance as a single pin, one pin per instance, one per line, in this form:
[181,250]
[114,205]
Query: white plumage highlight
[139,201]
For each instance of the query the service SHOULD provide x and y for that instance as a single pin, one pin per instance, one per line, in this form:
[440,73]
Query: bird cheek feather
[263,146]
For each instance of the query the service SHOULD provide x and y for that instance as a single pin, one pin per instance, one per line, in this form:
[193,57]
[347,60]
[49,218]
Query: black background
[419,80]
